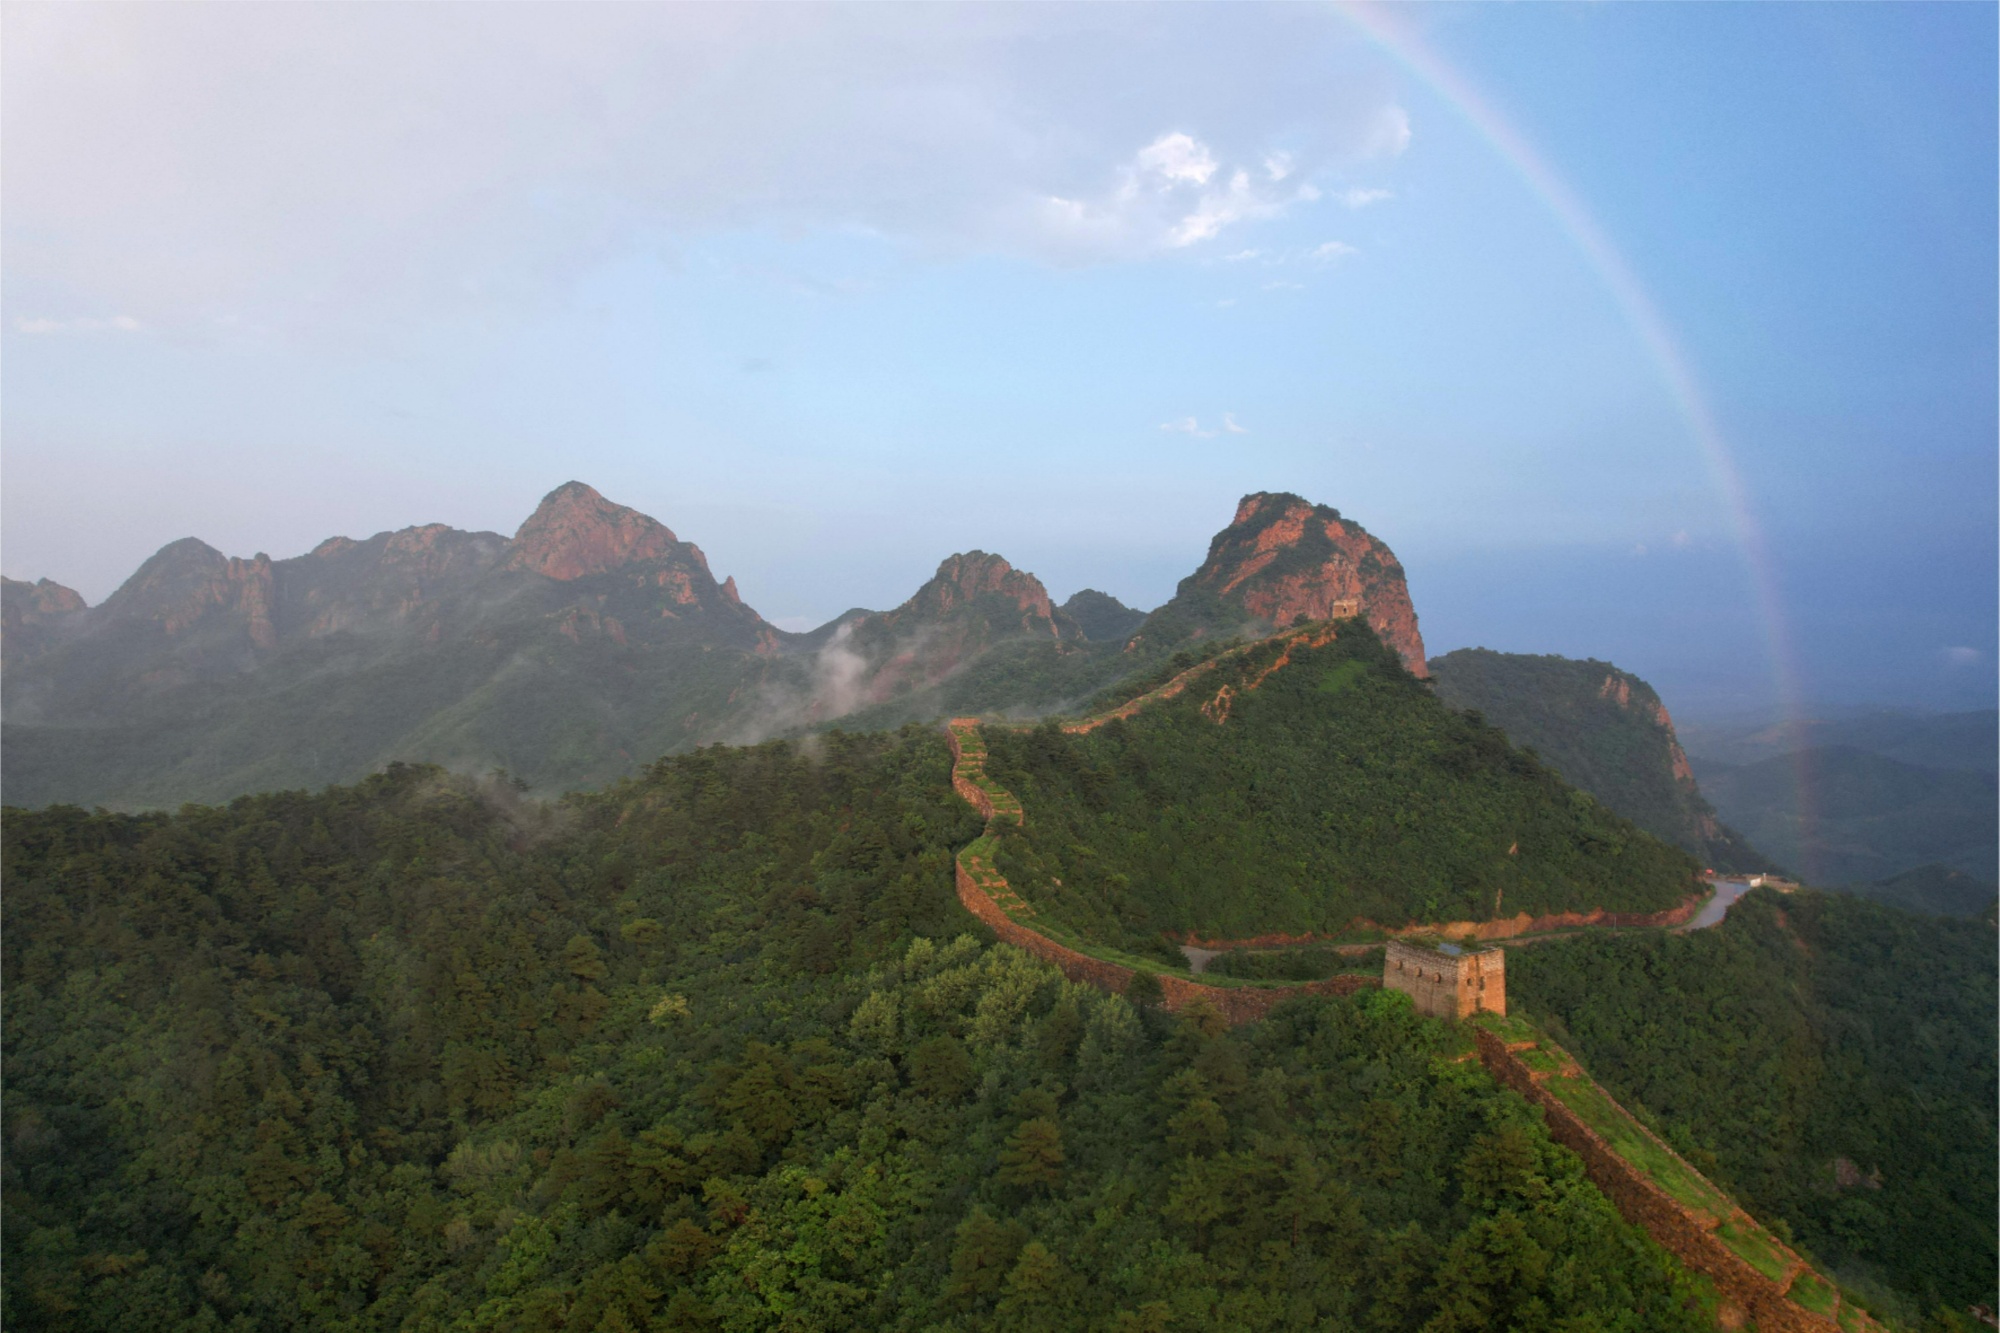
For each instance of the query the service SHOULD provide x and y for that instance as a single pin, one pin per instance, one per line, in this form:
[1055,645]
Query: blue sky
[835,292]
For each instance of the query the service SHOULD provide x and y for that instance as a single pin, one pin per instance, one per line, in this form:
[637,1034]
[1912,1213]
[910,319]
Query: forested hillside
[709,1051]
[1297,788]
[1603,729]
[1828,1060]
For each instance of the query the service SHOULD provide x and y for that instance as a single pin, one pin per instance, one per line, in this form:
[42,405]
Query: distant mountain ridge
[1605,730]
[1844,815]
[591,641]
[1890,805]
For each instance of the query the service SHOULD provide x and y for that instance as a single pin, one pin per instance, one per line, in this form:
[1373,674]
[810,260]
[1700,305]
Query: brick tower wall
[1447,985]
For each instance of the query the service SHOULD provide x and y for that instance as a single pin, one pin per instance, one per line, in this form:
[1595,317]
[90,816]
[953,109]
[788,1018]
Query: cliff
[1283,559]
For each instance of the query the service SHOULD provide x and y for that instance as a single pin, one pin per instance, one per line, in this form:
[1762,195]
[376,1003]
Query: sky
[1658,334]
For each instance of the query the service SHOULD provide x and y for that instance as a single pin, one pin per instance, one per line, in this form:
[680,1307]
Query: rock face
[962,581]
[32,615]
[189,585]
[576,532]
[975,604]
[1282,558]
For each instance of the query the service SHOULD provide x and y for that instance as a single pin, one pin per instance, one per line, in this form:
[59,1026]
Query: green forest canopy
[1828,1060]
[1337,788]
[710,1051]
[718,1049]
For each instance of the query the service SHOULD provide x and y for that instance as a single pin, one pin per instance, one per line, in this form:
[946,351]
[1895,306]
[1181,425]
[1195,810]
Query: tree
[1033,1155]
[982,1255]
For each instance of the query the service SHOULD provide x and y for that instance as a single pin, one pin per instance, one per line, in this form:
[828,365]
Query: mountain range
[589,643]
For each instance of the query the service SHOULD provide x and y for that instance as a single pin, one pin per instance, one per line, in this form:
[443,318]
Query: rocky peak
[41,600]
[1283,557]
[188,581]
[1635,695]
[30,614]
[575,532]
[964,578]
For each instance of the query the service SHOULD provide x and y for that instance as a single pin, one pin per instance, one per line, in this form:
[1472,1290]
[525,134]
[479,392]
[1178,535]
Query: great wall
[1755,1276]
[983,890]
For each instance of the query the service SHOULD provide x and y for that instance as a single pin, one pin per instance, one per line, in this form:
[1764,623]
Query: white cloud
[294,166]
[1681,539]
[1328,251]
[1240,256]
[1963,657]
[115,324]
[1220,208]
[1359,198]
[1187,426]
[1229,424]
[1176,159]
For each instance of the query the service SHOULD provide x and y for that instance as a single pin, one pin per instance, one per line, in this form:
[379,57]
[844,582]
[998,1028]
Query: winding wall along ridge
[1689,1233]
[971,783]
[982,889]
[1499,928]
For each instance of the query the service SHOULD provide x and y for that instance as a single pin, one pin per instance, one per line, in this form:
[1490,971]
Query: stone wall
[1499,928]
[1688,1234]
[1238,1004]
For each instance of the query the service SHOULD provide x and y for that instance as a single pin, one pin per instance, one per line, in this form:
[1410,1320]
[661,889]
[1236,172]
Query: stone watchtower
[1447,981]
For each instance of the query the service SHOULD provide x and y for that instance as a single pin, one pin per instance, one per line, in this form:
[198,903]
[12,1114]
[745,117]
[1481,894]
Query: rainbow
[1388,33]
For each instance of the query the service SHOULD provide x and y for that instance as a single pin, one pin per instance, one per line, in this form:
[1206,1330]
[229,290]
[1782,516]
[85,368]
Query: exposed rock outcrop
[34,615]
[576,532]
[961,580]
[1282,559]
[189,584]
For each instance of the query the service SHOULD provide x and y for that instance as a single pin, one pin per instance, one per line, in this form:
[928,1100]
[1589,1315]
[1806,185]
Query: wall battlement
[1447,982]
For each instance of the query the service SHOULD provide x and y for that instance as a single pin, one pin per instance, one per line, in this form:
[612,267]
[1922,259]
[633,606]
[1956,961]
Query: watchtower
[1445,980]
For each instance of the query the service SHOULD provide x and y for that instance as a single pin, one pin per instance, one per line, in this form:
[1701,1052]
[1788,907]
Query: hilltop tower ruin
[1447,981]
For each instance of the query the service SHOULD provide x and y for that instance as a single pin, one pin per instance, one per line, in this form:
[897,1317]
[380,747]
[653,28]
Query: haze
[837,291]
